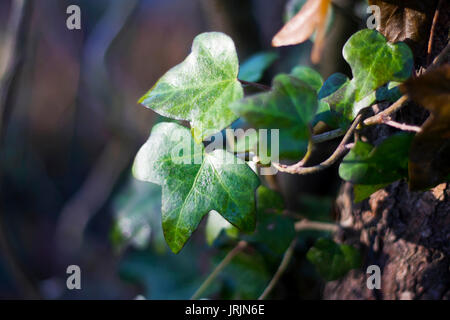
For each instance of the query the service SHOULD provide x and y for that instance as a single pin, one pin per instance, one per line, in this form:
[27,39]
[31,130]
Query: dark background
[75,128]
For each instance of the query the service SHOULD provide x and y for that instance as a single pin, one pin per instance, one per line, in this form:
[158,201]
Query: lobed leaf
[382,164]
[201,87]
[194,183]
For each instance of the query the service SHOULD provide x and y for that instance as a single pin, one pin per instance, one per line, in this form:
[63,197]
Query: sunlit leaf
[430,151]
[375,62]
[194,183]
[333,260]
[201,87]
[253,69]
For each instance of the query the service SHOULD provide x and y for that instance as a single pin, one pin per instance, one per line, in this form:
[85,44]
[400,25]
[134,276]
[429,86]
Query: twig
[432,31]
[402,126]
[378,118]
[281,269]
[305,224]
[239,247]
[440,59]
[18,30]
[340,150]
[256,85]
[329,135]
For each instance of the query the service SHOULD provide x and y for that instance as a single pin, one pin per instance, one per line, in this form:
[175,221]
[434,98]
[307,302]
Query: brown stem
[432,31]
[337,154]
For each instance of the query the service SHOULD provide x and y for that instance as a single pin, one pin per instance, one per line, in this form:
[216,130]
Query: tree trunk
[406,234]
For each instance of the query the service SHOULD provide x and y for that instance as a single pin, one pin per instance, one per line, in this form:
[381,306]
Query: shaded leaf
[333,260]
[312,17]
[363,191]
[194,183]
[289,106]
[274,232]
[137,216]
[430,151]
[253,69]
[201,87]
[308,75]
[382,164]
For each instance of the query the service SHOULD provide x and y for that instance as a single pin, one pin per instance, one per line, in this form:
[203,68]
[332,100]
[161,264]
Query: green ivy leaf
[201,87]
[274,232]
[375,62]
[289,106]
[194,183]
[333,260]
[308,75]
[383,164]
[253,69]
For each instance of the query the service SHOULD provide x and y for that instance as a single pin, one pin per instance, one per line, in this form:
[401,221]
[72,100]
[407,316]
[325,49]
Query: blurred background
[74,126]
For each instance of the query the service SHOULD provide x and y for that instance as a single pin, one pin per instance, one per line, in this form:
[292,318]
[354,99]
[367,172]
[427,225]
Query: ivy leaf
[385,163]
[430,151]
[289,106]
[194,183]
[308,75]
[274,232]
[137,217]
[253,69]
[333,260]
[201,87]
[375,62]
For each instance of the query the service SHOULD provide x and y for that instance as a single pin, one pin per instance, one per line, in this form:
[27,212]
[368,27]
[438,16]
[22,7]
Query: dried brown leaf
[312,17]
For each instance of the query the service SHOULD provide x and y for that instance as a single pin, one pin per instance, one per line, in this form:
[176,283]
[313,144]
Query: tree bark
[406,234]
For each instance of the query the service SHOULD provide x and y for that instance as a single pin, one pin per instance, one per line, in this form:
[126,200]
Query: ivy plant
[206,90]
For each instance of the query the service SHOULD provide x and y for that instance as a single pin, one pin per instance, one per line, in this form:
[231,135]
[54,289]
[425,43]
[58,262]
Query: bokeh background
[67,196]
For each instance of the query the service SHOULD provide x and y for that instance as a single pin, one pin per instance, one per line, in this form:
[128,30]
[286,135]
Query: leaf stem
[256,85]
[402,126]
[329,135]
[281,269]
[338,153]
[379,117]
[237,249]
[305,224]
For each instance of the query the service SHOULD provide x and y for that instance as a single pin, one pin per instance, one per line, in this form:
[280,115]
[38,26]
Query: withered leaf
[312,17]
[406,20]
[429,162]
